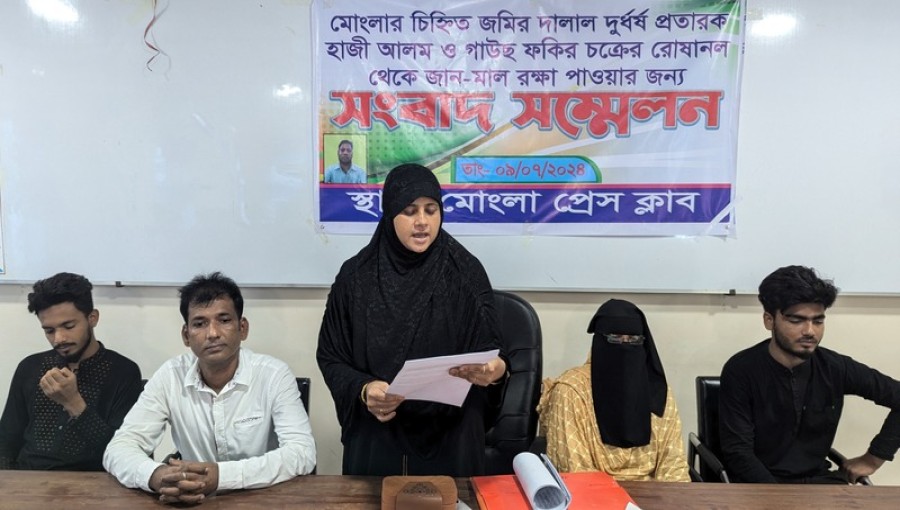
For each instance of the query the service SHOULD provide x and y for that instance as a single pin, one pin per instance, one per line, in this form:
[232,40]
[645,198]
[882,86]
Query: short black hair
[345,142]
[792,285]
[61,288]
[204,289]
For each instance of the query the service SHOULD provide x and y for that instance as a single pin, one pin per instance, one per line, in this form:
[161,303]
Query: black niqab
[627,381]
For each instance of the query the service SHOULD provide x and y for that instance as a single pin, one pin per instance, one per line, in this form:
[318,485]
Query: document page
[429,378]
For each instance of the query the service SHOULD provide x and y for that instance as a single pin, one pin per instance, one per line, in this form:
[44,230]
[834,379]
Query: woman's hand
[481,374]
[380,403]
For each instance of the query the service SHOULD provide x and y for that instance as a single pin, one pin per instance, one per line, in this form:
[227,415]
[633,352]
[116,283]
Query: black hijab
[405,279]
[627,381]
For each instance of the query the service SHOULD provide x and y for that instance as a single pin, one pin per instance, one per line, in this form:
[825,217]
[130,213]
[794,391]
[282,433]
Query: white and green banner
[544,117]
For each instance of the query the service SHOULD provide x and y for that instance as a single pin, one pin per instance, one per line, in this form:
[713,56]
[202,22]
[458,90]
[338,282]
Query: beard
[75,357]
[785,345]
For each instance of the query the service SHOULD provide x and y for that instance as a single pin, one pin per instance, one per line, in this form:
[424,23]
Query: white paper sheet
[430,379]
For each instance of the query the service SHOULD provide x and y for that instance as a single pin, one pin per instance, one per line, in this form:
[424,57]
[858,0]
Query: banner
[537,116]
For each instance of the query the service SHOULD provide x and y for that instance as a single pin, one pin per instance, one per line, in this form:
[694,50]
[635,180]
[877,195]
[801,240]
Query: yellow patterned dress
[573,437]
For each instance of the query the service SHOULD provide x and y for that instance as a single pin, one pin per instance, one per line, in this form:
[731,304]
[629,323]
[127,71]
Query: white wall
[203,145]
[695,334]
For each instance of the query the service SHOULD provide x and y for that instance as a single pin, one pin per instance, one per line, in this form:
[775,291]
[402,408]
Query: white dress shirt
[256,428]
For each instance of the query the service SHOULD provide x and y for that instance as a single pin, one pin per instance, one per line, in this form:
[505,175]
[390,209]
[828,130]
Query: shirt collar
[241,375]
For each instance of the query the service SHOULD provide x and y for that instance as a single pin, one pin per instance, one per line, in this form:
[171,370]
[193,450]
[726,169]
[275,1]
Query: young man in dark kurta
[65,404]
[781,399]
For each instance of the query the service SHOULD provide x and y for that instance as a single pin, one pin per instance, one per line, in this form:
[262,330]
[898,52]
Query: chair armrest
[694,474]
[838,459]
[539,445]
[708,457]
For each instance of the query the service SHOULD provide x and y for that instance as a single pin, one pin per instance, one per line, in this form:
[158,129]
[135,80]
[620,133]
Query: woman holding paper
[412,292]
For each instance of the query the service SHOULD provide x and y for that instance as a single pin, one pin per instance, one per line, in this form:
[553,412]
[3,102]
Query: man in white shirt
[236,416]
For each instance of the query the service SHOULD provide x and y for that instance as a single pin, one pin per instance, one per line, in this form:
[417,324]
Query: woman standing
[412,292]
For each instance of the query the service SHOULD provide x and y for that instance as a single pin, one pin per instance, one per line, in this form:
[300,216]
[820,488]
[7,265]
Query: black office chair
[516,424]
[303,386]
[703,447]
[704,450]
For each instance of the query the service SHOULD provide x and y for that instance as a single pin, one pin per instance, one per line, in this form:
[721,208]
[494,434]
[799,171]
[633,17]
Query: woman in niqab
[616,413]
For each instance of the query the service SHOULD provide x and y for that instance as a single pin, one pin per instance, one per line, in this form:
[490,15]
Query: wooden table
[68,490]
[672,496]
